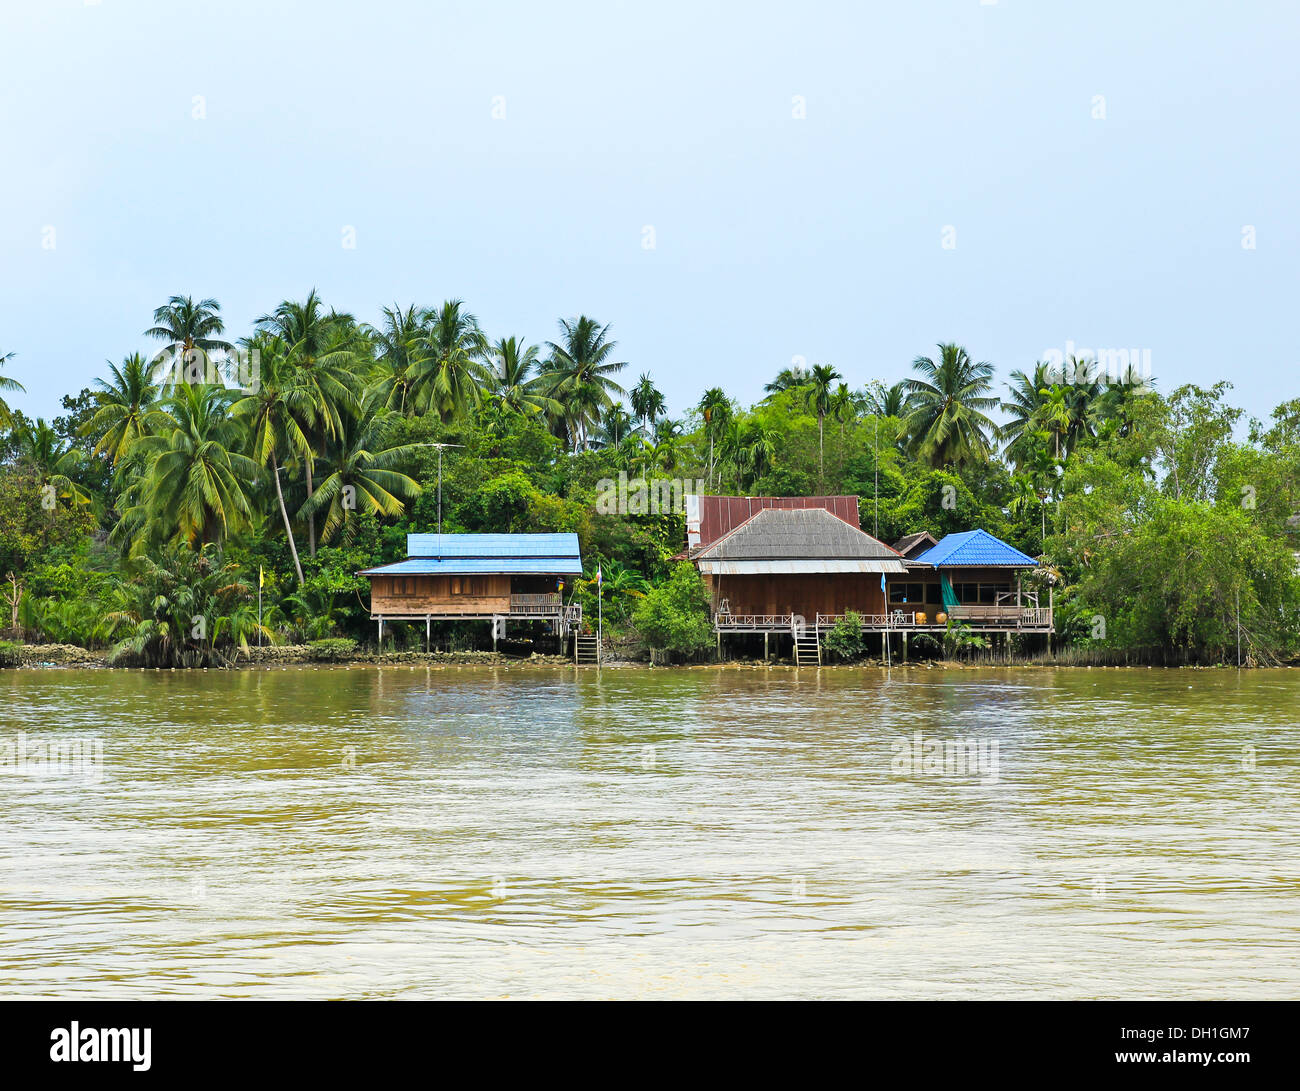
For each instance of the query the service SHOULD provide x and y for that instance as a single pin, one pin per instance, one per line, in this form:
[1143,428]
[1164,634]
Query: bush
[332,649]
[9,656]
[844,641]
[674,616]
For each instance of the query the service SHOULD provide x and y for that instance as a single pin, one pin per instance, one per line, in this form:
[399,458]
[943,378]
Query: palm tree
[579,374]
[127,408]
[6,383]
[715,408]
[186,326]
[647,401]
[320,351]
[449,373]
[665,446]
[1025,404]
[363,474]
[947,424]
[749,448]
[396,343]
[185,608]
[615,427]
[514,381]
[195,486]
[788,378]
[821,400]
[275,412]
[39,446]
[888,401]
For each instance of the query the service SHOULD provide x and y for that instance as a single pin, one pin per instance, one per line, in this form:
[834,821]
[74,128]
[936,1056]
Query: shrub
[844,640]
[674,616]
[332,649]
[9,654]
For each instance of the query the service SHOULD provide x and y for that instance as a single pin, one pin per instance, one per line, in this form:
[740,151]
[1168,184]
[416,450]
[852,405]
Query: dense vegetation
[143,518]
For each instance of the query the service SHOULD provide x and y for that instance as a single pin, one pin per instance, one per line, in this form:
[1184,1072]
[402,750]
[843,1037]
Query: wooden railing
[754,622]
[1002,617]
[546,605]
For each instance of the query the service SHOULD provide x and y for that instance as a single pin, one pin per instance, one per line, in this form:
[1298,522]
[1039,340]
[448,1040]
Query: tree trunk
[311,519]
[284,512]
[821,452]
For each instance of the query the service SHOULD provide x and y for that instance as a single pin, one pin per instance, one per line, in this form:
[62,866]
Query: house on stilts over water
[480,577]
[794,566]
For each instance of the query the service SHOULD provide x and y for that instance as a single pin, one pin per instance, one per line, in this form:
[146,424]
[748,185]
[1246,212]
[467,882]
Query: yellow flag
[260,578]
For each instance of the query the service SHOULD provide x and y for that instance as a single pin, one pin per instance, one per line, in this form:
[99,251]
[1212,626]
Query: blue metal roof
[470,566]
[974,548]
[492,545]
[486,554]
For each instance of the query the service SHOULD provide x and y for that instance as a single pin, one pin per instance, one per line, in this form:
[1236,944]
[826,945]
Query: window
[980,594]
[467,585]
[910,593]
[403,586]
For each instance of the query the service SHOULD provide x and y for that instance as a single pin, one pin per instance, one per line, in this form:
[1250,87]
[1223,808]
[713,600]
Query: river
[711,832]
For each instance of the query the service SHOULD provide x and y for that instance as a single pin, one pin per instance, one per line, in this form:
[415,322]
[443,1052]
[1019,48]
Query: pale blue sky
[775,237]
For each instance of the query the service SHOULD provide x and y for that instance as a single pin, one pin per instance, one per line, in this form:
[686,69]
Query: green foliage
[183,608]
[332,649]
[844,640]
[9,656]
[959,637]
[674,616]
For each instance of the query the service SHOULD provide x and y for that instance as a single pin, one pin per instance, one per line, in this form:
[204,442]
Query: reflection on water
[633,833]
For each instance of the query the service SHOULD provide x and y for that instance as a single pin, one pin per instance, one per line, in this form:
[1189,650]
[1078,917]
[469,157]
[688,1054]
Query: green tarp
[945,589]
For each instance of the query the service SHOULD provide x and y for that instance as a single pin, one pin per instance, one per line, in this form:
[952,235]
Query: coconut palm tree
[395,342]
[127,408]
[362,474]
[579,374]
[38,445]
[514,380]
[196,485]
[6,383]
[275,412]
[947,424]
[821,400]
[191,332]
[788,378]
[1025,405]
[320,350]
[449,372]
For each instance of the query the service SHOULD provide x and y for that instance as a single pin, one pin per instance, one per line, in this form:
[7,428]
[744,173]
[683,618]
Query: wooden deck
[1023,619]
[517,608]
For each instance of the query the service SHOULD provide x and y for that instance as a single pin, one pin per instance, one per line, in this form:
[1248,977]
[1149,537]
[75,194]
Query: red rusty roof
[720,515]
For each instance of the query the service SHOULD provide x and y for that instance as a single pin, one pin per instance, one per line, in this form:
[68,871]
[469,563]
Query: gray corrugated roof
[806,534]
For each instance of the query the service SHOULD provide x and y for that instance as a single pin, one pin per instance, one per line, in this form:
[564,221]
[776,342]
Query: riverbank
[63,656]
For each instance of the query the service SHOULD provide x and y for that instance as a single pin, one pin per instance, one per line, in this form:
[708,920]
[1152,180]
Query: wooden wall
[826,593]
[433,595]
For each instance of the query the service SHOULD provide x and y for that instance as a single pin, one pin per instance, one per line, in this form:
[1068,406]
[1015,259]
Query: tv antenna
[440,447]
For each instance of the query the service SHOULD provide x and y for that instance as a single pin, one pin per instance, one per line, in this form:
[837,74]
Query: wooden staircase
[586,650]
[807,650]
